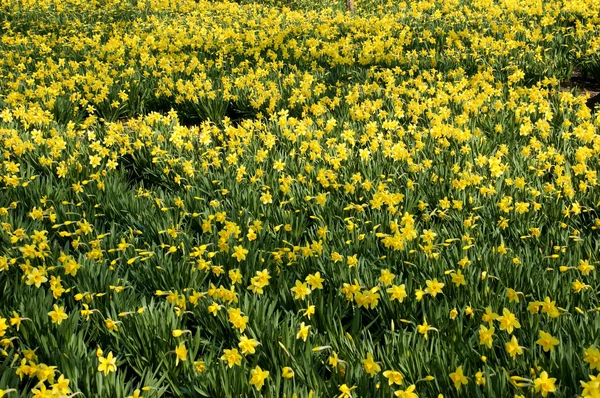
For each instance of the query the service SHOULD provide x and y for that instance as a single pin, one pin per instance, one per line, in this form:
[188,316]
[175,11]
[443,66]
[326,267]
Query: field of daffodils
[218,199]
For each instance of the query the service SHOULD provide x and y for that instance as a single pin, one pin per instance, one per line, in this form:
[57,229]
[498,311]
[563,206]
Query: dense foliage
[219,199]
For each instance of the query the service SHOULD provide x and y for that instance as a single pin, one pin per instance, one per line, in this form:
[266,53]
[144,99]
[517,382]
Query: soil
[586,85]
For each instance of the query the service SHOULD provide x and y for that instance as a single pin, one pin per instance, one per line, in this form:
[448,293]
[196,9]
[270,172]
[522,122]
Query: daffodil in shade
[258,377]
[513,348]
[58,314]
[239,253]
[61,386]
[333,359]
[346,392]
[486,336]
[16,321]
[310,310]
[107,364]
[458,378]
[544,384]
[136,394]
[434,287]
[232,357]
[453,313]
[408,393]
[489,316]
[591,388]
[40,391]
[397,292]
[247,346]
[301,290]
[508,321]
[425,328]
[111,325]
[303,332]
[591,355]
[547,341]
[45,372]
[180,353]
[315,281]
[287,372]
[86,312]
[393,376]
[480,379]
[371,367]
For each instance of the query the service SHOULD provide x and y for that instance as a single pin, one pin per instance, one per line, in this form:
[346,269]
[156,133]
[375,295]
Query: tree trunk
[350,5]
